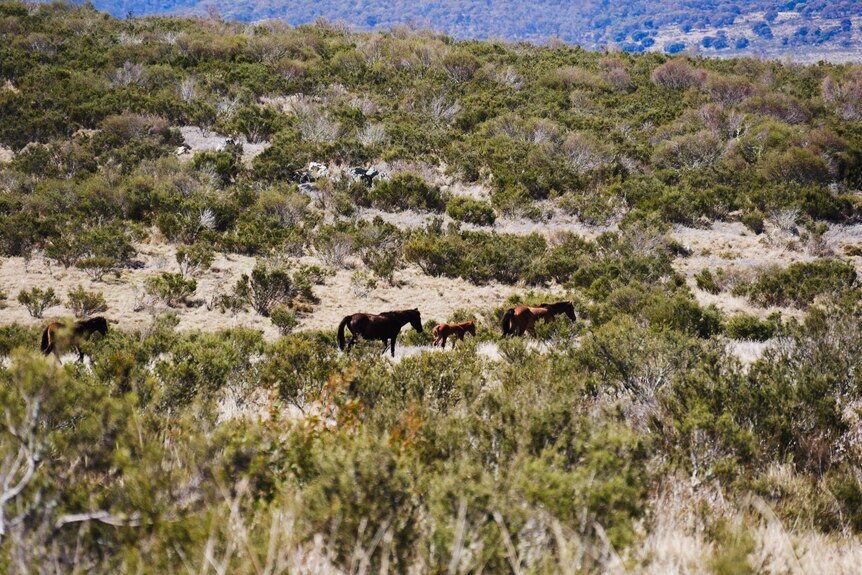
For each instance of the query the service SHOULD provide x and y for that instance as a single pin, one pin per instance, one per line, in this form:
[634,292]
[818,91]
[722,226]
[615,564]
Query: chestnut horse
[384,326]
[442,331]
[59,336]
[522,318]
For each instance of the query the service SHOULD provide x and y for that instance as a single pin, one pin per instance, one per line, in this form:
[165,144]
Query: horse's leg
[352,342]
[80,354]
[393,345]
[386,345]
[444,341]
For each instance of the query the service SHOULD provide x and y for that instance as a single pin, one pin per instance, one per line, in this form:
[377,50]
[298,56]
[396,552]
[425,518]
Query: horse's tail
[343,323]
[45,346]
[507,321]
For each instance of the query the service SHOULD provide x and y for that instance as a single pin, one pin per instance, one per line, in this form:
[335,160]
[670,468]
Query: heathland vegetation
[633,439]
[716,27]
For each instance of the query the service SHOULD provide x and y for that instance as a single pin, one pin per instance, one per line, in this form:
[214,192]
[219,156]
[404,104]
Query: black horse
[59,336]
[384,326]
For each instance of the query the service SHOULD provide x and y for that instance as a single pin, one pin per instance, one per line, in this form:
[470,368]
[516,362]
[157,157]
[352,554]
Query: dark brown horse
[522,319]
[384,326]
[458,330]
[60,336]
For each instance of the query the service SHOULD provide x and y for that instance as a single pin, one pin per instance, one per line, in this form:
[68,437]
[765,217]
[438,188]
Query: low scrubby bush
[85,303]
[37,300]
[750,327]
[268,287]
[706,281]
[195,259]
[403,192]
[470,211]
[800,283]
[284,319]
[476,256]
[170,288]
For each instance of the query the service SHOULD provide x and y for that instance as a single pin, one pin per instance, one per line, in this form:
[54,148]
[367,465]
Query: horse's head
[98,324]
[415,320]
[565,307]
[470,328]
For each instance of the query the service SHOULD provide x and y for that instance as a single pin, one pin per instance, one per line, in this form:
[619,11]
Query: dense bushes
[800,283]
[178,449]
[749,327]
[477,256]
[568,432]
[268,287]
[470,211]
[400,193]
[681,138]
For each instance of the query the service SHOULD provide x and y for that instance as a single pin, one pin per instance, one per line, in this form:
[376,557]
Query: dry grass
[676,535]
[738,250]
[557,223]
[200,141]
[437,298]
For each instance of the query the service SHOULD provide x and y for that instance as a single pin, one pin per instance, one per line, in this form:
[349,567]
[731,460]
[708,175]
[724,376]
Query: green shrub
[477,256]
[195,259]
[684,314]
[801,282]
[202,364]
[403,192]
[84,303]
[299,365]
[749,327]
[265,288]
[471,211]
[170,288]
[102,251]
[706,281]
[284,319]
[37,300]
[98,267]
[753,221]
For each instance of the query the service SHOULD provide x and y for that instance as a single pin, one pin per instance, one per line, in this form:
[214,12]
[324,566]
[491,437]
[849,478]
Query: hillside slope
[228,195]
[801,30]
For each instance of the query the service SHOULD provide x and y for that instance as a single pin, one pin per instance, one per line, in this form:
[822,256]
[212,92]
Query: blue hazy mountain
[707,26]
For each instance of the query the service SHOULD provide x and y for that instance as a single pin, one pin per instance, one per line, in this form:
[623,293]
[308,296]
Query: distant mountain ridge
[805,30]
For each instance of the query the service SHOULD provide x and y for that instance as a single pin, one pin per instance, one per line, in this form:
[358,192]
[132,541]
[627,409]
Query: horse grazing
[521,318]
[442,331]
[384,326]
[59,336]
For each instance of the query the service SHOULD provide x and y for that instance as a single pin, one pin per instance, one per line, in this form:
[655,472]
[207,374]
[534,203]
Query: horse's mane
[556,305]
[97,323]
[400,312]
